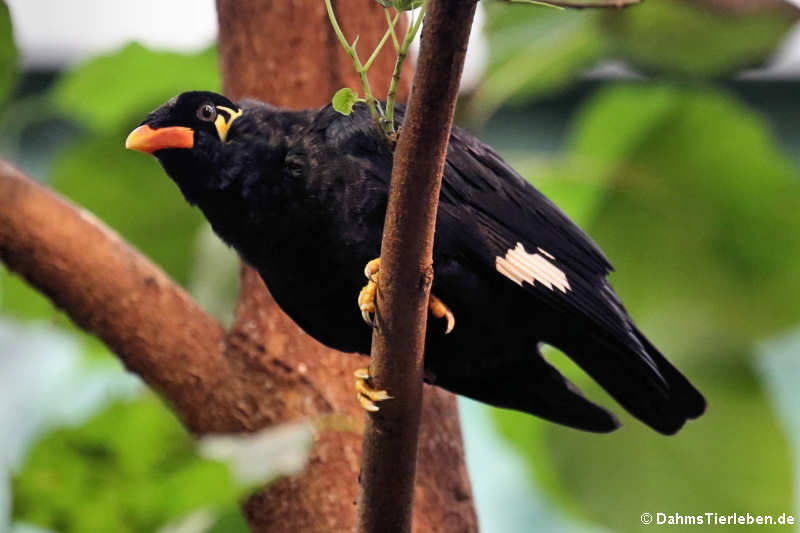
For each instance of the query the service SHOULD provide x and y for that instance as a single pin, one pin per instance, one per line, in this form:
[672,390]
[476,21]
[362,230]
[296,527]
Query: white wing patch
[518,266]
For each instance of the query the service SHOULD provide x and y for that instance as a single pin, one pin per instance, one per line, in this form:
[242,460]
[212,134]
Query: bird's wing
[481,178]
[516,232]
[505,228]
[510,229]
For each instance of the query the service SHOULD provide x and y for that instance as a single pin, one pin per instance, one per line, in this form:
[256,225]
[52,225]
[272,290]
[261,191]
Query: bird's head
[178,123]
[186,134]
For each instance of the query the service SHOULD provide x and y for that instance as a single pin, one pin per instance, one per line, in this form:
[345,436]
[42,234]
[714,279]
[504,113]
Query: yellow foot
[439,310]
[367,396]
[366,298]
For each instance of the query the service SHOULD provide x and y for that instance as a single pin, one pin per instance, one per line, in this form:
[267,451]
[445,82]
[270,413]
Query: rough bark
[265,370]
[398,341]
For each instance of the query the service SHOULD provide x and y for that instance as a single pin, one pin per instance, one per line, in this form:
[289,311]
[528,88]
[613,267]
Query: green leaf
[712,41]
[407,5]
[231,521]
[386,3]
[116,90]
[135,464]
[533,52]
[344,100]
[8,54]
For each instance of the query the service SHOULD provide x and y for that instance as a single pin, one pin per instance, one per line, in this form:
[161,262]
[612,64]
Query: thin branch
[391,28]
[402,53]
[390,436]
[389,31]
[568,4]
[374,107]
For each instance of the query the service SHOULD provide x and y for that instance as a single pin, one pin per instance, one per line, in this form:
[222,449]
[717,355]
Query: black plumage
[301,195]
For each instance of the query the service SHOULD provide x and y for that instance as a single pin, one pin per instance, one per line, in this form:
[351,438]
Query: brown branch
[390,436]
[216,382]
[111,290]
[599,4]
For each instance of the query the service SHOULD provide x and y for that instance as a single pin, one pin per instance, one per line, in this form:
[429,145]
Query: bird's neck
[240,185]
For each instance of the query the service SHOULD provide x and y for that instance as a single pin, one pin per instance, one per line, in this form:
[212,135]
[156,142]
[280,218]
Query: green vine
[344,99]
[402,53]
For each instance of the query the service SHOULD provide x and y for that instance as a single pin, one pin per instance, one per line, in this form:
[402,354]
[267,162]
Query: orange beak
[146,139]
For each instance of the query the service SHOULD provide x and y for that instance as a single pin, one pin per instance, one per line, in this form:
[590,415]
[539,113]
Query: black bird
[301,195]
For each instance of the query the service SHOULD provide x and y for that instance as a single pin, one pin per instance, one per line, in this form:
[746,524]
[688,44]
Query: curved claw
[366,395]
[451,322]
[366,301]
[367,316]
[367,404]
[366,298]
[440,310]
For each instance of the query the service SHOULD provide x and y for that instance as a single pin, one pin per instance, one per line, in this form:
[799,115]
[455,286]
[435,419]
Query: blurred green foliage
[97,174]
[108,96]
[8,54]
[111,92]
[699,212]
[694,39]
[534,52]
[686,191]
[130,468]
[701,190]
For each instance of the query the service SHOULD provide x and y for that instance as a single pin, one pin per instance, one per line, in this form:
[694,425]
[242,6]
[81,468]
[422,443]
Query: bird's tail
[534,386]
[684,397]
[661,397]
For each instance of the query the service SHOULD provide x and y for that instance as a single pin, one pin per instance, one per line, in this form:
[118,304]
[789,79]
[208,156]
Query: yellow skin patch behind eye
[222,125]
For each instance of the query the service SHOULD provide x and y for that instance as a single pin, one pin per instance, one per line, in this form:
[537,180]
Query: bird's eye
[207,113]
